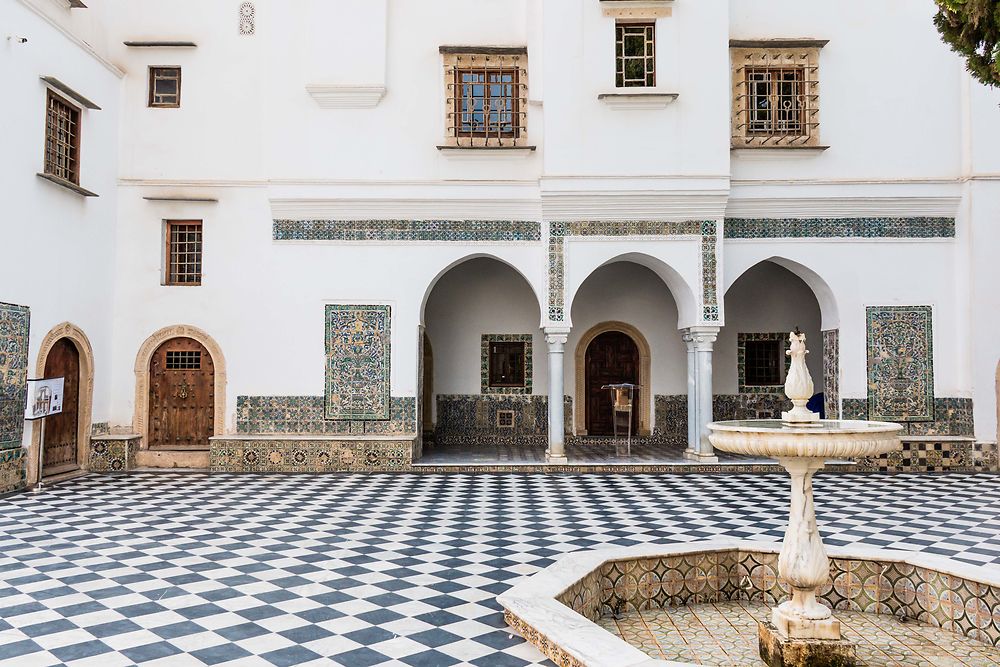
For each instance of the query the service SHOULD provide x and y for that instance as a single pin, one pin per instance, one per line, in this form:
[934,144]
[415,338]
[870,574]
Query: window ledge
[336,96]
[486,152]
[638,98]
[776,152]
[68,185]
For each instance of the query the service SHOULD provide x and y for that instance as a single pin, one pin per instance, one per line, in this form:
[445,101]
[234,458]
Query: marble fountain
[739,603]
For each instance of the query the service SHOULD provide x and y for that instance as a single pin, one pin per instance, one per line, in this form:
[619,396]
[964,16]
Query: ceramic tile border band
[706,230]
[534,607]
[473,231]
[901,228]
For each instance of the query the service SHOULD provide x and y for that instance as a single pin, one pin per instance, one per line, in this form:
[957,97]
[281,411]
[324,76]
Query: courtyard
[191,568]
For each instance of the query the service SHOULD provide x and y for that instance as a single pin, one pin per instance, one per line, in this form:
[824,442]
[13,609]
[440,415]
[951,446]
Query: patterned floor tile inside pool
[724,634]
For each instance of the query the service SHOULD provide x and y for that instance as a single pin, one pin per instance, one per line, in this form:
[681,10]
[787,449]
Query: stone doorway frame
[85,350]
[140,418]
[580,363]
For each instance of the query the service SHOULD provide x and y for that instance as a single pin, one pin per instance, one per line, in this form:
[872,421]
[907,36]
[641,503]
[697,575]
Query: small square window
[165,87]
[183,360]
[775,101]
[507,364]
[183,252]
[486,103]
[763,362]
[505,419]
[635,55]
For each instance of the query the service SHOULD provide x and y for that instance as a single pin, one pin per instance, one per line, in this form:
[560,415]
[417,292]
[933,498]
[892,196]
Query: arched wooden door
[62,430]
[181,395]
[612,358]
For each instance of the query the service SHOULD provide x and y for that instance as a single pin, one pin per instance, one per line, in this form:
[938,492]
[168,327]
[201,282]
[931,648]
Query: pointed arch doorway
[611,353]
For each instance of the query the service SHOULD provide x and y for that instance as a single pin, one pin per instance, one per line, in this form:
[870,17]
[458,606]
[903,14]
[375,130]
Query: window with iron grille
[507,364]
[775,93]
[183,360]
[635,55]
[62,139]
[165,87]
[183,253]
[763,362]
[486,104]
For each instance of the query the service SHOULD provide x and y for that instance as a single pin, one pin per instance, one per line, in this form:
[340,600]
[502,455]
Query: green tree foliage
[972,28]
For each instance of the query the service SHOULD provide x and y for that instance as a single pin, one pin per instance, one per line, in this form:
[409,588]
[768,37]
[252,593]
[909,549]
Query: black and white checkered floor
[193,569]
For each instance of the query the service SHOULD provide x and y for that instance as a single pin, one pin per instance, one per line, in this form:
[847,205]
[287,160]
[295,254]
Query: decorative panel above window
[635,55]
[486,101]
[165,87]
[775,93]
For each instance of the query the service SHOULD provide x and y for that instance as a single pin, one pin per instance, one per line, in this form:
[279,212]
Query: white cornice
[342,96]
[33,5]
[680,205]
[842,207]
[406,209]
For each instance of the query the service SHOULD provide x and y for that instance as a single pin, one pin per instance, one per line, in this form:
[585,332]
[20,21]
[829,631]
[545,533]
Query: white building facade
[336,236]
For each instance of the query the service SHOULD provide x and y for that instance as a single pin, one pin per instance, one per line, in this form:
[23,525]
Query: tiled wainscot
[495,419]
[311,454]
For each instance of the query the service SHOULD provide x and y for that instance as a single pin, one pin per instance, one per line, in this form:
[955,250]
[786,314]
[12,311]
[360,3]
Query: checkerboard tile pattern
[351,569]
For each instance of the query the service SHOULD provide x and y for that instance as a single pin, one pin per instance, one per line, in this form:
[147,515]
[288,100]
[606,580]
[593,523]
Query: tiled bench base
[113,453]
[13,469]
[310,454]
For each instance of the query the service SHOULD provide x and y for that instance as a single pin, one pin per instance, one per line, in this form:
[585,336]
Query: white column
[700,341]
[556,453]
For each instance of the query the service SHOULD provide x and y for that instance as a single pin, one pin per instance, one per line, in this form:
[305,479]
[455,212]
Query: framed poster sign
[45,397]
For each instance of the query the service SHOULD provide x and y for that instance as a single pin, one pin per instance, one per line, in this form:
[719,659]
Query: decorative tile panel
[771,228]
[485,363]
[305,415]
[14,329]
[831,373]
[741,362]
[900,363]
[357,361]
[13,469]
[113,454]
[705,230]
[471,231]
[254,455]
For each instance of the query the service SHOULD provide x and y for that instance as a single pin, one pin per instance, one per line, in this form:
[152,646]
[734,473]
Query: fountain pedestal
[803,632]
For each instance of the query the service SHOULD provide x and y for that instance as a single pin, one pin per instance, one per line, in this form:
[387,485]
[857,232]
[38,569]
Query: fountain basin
[559,609]
[829,438]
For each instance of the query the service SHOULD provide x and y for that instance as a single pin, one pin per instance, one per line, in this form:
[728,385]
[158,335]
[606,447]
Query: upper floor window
[775,93]
[486,102]
[183,252]
[165,87]
[62,139]
[635,54]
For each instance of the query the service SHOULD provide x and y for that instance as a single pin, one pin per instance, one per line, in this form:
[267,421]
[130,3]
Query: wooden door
[62,430]
[612,358]
[181,396]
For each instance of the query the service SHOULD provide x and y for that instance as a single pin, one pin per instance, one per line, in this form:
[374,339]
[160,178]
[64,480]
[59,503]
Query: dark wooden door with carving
[612,358]
[181,396]
[62,430]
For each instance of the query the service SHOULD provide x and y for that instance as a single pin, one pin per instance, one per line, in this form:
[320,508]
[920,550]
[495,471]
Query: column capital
[700,338]
[556,335]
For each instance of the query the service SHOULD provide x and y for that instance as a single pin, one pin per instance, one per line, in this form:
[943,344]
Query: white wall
[59,246]
[481,296]
[766,299]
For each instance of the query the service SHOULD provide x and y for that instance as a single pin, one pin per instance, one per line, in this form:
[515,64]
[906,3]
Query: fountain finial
[798,382]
